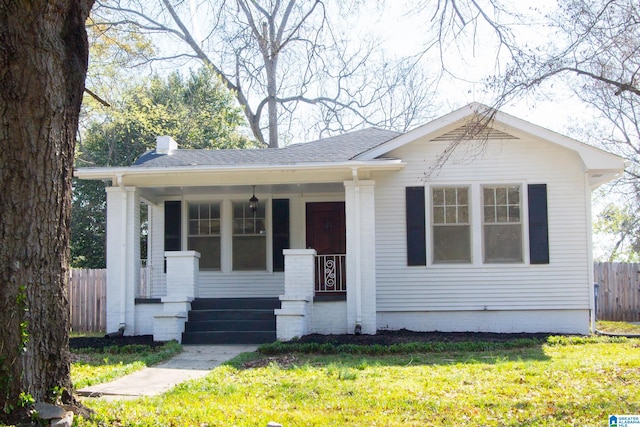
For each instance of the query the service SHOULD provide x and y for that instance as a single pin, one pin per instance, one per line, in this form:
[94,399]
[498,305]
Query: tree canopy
[195,110]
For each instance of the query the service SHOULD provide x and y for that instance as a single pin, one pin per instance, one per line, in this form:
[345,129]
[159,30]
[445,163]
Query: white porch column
[361,256]
[123,257]
[294,316]
[183,269]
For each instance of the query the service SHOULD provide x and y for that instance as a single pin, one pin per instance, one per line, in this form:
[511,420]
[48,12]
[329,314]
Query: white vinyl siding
[562,284]
[249,284]
[155,257]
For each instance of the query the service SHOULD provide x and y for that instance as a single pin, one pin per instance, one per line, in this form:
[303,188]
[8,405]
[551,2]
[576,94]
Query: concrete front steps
[231,321]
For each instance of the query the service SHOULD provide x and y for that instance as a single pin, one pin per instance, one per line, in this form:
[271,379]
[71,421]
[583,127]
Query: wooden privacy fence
[618,291]
[88,300]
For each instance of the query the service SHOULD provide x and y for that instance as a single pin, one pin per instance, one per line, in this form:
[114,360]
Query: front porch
[323,293]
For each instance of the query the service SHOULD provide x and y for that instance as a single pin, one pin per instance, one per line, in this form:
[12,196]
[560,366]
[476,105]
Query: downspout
[149,265]
[123,273]
[357,255]
[589,230]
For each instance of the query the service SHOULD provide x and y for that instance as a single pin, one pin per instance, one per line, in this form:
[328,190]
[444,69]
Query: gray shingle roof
[339,148]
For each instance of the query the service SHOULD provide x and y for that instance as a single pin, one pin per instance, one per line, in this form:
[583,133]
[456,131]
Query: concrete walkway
[195,361]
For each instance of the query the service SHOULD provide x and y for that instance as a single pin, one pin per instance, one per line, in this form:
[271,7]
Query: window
[502,224]
[204,233]
[451,227]
[249,237]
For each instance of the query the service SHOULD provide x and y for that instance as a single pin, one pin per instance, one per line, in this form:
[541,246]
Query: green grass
[563,381]
[92,367]
[618,327]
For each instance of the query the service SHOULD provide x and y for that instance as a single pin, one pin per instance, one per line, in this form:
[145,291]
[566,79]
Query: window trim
[476,225]
[266,205]
[226,228]
[187,235]
[433,225]
[524,237]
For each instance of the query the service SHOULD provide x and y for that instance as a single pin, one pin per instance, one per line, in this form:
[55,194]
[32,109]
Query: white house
[448,227]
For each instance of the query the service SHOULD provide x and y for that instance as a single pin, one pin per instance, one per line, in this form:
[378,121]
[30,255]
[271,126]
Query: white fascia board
[114,172]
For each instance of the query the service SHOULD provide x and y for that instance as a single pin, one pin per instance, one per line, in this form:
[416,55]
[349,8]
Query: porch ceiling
[152,193]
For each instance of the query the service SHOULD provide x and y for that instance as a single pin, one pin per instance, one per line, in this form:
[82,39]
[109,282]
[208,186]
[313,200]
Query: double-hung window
[249,237]
[204,233]
[451,226]
[502,224]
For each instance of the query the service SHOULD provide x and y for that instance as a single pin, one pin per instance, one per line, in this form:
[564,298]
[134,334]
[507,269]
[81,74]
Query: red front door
[325,227]
[326,233]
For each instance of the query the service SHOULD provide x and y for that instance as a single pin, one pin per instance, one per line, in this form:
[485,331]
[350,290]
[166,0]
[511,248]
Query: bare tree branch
[267,52]
[96,97]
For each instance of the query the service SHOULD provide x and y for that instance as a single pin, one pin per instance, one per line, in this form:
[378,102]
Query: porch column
[294,316]
[361,256]
[123,257]
[183,269]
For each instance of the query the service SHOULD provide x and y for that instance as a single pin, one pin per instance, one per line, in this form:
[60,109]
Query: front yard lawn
[577,381]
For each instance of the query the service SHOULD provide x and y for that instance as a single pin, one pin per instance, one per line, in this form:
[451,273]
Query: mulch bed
[405,336]
[99,343]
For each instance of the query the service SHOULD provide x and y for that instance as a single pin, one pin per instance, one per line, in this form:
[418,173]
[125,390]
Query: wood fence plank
[87,295]
[619,291]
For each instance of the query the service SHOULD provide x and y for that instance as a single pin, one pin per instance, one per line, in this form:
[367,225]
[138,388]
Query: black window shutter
[280,221]
[538,224]
[172,222]
[415,214]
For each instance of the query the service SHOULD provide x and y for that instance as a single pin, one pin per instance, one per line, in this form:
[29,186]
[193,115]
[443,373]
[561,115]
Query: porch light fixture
[253,201]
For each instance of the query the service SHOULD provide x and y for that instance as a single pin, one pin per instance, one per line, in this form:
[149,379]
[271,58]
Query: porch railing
[331,274]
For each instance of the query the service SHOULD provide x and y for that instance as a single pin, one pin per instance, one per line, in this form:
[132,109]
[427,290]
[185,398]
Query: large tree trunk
[43,63]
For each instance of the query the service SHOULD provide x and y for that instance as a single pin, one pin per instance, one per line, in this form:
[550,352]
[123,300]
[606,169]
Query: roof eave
[598,177]
[112,173]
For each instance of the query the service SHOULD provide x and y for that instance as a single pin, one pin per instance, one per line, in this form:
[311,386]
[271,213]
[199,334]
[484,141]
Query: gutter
[123,273]
[358,240]
[114,172]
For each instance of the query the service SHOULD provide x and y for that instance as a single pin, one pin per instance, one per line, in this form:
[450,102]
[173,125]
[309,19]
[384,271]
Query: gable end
[474,130]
